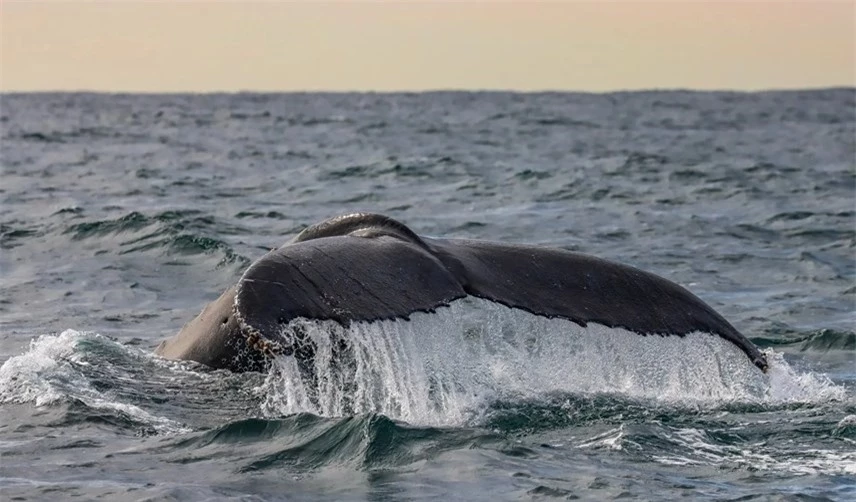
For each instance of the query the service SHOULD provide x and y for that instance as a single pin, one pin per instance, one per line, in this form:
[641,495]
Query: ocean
[123,215]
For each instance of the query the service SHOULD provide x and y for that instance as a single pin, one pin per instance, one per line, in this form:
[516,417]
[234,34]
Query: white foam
[699,449]
[443,368]
[787,385]
[49,372]
[612,439]
[19,375]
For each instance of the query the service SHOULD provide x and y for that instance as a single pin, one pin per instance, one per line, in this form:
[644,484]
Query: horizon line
[449,90]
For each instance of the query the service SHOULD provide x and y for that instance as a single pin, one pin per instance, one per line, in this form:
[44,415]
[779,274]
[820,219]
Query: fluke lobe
[368,267]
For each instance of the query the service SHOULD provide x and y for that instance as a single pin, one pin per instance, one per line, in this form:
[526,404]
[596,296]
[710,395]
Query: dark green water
[121,215]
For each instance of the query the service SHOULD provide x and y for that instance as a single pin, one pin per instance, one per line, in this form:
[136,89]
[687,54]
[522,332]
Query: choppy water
[121,215]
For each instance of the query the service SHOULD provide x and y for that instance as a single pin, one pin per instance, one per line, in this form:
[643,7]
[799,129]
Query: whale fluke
[368,267]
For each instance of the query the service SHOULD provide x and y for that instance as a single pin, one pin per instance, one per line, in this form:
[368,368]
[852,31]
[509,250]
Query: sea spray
[54,370]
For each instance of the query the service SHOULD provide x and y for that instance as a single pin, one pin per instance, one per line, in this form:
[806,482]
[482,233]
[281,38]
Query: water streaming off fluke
[445,368]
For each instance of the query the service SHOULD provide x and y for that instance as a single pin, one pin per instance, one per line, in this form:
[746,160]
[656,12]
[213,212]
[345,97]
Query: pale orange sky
[277,46]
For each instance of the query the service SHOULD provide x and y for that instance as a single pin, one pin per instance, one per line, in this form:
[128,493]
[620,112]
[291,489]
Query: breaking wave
[59,369]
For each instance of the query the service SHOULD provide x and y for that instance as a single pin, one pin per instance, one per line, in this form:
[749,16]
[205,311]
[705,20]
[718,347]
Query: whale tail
[368,267]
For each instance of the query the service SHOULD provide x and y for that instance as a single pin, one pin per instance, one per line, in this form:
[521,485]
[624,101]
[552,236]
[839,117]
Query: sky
[211,46]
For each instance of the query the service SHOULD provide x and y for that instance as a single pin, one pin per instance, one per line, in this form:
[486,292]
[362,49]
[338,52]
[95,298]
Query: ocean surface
[122,215]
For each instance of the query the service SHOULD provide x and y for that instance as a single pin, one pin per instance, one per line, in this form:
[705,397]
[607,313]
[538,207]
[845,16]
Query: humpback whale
[369,267]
